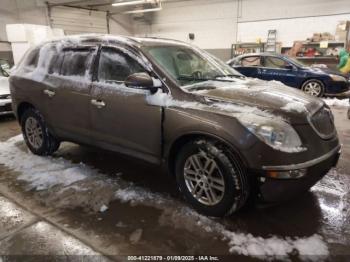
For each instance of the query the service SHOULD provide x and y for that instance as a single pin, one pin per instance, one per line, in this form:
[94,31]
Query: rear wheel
[211,178]
[313,87]
[36,134]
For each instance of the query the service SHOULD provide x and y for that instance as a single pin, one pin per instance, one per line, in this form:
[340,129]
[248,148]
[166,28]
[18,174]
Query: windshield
[189,65]
[297,62]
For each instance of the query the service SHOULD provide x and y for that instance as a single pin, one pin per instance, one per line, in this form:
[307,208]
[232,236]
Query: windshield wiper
[191,78]
[229,75]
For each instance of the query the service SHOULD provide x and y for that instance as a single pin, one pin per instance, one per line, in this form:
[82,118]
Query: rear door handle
[49,93]
[98,103]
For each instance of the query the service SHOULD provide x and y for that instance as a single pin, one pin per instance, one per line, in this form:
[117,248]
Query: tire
[219,194]
[349,113]
[313,87]
[36,134]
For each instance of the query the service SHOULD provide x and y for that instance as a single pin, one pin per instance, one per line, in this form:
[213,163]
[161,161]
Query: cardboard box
[342,31]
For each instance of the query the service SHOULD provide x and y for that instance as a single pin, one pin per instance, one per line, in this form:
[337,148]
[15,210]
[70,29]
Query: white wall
[219,23]
[212,22]
[289,30]
[121,25]
[252,10]
[293,20]
[78,21]
[72,20]
[20,11]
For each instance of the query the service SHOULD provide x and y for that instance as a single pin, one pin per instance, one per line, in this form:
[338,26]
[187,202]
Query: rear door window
[251,61]
[77,62]
[274,62]
[116,66]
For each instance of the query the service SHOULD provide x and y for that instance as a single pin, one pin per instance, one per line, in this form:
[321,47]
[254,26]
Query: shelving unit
[321,54]
[244,48]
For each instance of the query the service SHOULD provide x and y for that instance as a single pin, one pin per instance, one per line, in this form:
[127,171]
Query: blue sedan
[313,81]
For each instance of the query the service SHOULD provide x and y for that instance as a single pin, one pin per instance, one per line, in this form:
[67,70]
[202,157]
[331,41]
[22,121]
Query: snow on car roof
[111,39]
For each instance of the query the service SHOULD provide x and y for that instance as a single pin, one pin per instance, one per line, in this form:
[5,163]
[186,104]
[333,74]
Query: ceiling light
[143,10]
[128,3]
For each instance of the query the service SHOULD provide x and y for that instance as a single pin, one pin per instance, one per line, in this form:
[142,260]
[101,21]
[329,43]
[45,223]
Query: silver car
[5,97]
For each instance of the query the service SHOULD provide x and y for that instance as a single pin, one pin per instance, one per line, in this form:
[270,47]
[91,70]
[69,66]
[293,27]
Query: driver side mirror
[141,81]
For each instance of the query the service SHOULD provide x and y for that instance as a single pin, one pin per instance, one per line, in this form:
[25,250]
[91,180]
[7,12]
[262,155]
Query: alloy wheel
[313,88]
[34,132]
[204,179]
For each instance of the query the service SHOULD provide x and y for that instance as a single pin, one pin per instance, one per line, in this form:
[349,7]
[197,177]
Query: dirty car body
[223,136]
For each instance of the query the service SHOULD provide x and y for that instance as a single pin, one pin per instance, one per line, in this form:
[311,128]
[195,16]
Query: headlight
[337,78]
[277,134]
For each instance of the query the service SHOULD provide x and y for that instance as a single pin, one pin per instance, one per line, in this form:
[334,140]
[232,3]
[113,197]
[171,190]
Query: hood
[4,86]
[324,71]
[271,97]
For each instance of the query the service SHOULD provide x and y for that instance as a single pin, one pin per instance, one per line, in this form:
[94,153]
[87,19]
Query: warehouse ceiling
[119,7]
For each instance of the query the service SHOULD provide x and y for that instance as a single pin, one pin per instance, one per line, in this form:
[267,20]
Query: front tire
[313,87]
[36,134]
[211,179]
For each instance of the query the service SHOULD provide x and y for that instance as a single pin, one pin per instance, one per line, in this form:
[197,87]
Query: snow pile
[66,182]
[337,102]
[58,182]
[41,173]
[295,106]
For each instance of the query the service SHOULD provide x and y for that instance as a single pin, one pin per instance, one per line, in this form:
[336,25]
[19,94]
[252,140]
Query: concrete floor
[155,221]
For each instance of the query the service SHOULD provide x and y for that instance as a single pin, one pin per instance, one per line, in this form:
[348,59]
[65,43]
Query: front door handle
[49,93]
[98,103]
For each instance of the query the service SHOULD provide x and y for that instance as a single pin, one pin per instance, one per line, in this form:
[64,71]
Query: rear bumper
[276,190]
[5,107]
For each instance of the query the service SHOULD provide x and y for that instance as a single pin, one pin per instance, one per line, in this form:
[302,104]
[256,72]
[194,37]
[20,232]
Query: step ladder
[270,45]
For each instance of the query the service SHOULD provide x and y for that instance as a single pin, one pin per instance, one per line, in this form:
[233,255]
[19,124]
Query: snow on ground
[57,176]
[337,102]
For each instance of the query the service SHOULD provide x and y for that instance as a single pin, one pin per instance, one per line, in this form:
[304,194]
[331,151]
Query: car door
[249,65]
[120,116]
[275,68]
[67,93]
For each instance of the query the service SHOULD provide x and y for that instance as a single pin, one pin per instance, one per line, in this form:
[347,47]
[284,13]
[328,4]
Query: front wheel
[36,134]
[313,87]
[211,179]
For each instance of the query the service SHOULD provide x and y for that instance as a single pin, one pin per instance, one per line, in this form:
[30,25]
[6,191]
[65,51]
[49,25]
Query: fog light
[290,174]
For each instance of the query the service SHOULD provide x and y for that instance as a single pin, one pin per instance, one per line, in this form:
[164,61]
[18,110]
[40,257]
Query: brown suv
[225,137]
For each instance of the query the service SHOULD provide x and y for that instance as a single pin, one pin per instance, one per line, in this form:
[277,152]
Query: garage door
[78,21]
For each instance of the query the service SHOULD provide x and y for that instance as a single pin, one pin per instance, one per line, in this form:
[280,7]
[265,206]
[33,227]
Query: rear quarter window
[32,58]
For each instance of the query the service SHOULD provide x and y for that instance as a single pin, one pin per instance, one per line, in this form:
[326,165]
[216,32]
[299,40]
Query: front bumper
[5,107]
[342,94]
[276,190]
[337,88]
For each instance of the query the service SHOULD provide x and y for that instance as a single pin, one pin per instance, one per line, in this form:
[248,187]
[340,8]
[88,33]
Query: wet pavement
[146,216]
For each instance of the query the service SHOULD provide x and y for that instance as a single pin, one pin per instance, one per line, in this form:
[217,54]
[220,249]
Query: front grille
[5,96]
[323,123]
[6,108]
